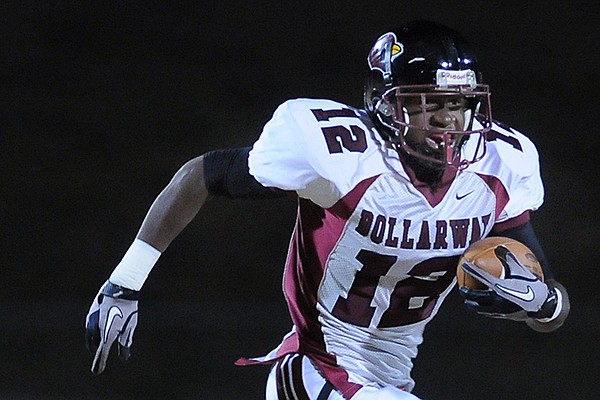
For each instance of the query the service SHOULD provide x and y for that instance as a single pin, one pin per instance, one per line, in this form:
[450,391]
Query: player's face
[435,115]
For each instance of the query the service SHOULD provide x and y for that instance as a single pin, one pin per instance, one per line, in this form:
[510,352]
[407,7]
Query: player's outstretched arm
[175,206]
[113,313]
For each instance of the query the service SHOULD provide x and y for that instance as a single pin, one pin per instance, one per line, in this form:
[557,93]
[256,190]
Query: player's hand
[112,317]
[518,285]
[489,303]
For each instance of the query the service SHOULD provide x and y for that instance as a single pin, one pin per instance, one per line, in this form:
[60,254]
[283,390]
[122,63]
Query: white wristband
[135,266]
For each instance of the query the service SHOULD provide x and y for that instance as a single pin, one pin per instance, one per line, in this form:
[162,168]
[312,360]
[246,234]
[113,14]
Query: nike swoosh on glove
[112,317]
[519,285]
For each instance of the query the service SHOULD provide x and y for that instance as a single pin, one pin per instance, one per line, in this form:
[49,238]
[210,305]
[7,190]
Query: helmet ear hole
[384,108]
[373,92]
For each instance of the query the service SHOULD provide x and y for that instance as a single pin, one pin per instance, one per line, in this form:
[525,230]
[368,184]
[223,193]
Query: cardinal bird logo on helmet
[378,58]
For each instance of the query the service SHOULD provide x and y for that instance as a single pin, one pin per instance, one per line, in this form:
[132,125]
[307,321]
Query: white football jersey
[374,252]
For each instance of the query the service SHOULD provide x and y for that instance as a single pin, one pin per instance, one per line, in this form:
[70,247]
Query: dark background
[101,103]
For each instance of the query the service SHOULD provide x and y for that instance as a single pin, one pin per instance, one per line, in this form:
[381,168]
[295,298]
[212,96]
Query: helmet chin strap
[468,115]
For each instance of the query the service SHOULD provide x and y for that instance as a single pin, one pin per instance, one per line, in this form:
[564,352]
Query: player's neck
[433,176]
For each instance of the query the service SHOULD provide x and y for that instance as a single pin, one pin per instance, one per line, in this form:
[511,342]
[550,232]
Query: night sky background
[100,104]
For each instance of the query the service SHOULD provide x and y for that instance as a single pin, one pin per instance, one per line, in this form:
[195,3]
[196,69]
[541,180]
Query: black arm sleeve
[526,235]
[226,174]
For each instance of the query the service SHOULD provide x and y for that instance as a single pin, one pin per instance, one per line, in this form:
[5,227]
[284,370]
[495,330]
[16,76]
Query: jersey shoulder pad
[310,140]
[506,150]
[515,149]
[513,159]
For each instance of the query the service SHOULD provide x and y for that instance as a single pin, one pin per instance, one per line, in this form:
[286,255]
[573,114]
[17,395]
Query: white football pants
[295,378]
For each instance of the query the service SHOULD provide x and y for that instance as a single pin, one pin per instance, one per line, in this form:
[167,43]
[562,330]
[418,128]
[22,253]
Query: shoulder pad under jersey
[512,158]
[318,144]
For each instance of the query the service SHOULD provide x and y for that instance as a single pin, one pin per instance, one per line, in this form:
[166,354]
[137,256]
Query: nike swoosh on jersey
[113,313]
[459,197]
[528,295]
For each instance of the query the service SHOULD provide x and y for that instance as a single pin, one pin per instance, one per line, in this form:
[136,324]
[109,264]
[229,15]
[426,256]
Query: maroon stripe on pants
[281,395]
[288,378]
[297,380]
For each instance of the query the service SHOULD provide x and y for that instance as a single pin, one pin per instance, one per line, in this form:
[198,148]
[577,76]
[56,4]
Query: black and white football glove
[112,317]
[519,295]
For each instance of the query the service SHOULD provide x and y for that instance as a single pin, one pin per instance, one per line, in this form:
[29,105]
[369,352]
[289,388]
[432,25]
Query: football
[482,254]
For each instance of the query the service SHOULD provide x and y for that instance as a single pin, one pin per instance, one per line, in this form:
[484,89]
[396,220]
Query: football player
[389,196]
